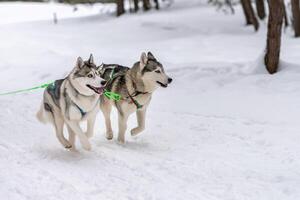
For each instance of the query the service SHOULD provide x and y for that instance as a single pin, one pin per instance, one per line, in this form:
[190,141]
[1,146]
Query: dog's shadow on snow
[64,155]
[99,146]
[130,145]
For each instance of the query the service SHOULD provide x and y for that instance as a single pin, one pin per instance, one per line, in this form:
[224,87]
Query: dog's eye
[157,71]
[90,75]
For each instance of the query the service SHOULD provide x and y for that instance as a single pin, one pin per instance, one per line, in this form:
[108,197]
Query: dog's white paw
[136,131]
[121,141]
[109,135]
[87,146]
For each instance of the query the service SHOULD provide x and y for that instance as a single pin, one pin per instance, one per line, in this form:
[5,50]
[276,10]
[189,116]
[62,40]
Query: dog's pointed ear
[143,60]
[79,62]
[91,59]
[100,68]
[151,56]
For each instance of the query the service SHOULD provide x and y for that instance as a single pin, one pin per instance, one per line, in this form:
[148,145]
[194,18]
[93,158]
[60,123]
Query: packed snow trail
[221,131]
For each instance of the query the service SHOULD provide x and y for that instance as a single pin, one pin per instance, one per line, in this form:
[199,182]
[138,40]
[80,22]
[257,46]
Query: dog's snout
[103,82]
[170,80]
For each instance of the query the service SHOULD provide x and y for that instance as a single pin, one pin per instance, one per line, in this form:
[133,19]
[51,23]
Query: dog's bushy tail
[40,115]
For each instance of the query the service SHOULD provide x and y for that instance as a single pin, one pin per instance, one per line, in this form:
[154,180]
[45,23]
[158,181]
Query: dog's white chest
[75,114]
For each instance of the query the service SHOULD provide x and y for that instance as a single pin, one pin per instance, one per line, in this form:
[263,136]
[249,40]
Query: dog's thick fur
[72,100]
[134,84]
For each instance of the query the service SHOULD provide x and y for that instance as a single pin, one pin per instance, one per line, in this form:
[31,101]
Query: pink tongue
[100,90]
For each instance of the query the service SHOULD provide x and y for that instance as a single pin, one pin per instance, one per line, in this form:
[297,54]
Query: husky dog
[72,100]
[135,85]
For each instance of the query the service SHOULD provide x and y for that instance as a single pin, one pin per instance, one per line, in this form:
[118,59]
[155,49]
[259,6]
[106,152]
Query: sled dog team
[79,96]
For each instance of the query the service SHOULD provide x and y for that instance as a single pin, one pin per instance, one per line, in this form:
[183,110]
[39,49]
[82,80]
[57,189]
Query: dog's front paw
[136,131]
[109,135]
[87,146]
[121,140]
[68,146]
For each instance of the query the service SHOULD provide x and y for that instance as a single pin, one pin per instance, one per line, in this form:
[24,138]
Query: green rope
[110,95]
[27,90]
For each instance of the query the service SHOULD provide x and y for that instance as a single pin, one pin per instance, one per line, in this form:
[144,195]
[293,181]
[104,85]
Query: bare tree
[249,14]
[120,7]
[274,35]
[146,5]
[260,8]
[296,16]
[136,5]
[156,4]
[286,20]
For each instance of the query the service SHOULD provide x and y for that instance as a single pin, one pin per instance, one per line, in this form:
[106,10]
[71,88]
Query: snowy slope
[16,12]
[222,131]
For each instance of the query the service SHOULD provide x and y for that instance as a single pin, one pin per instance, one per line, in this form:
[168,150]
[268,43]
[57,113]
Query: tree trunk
[156,4]
[286,21]
[131,9]
[260,8]
[146,5]
[296,16]
[120,7]
[249,14]
[247,17]
[136,5]
[274,35]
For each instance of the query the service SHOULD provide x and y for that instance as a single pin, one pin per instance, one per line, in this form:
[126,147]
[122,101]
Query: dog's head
[153,72]
[85,77]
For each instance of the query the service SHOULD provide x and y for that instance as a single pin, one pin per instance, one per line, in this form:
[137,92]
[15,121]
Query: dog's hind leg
[106,110]
[81,135]
[72,137]
[59,128]
[122,127]
[141,116]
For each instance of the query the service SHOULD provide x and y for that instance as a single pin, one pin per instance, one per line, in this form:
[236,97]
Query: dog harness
[136,103]
[131,96]
[54,91]
[80,109]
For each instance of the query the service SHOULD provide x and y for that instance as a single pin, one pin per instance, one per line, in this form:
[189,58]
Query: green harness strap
[112,95]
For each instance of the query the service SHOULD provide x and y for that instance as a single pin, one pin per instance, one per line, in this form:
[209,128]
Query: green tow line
[110,95]
[28,89]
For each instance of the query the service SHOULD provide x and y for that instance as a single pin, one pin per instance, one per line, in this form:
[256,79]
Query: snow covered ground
[224,130]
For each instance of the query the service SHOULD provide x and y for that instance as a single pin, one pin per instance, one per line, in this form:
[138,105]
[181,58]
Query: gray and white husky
[73,100]
[135,85]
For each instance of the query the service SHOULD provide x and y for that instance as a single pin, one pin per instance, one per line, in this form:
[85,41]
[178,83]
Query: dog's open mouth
[98,90]
[161,84]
